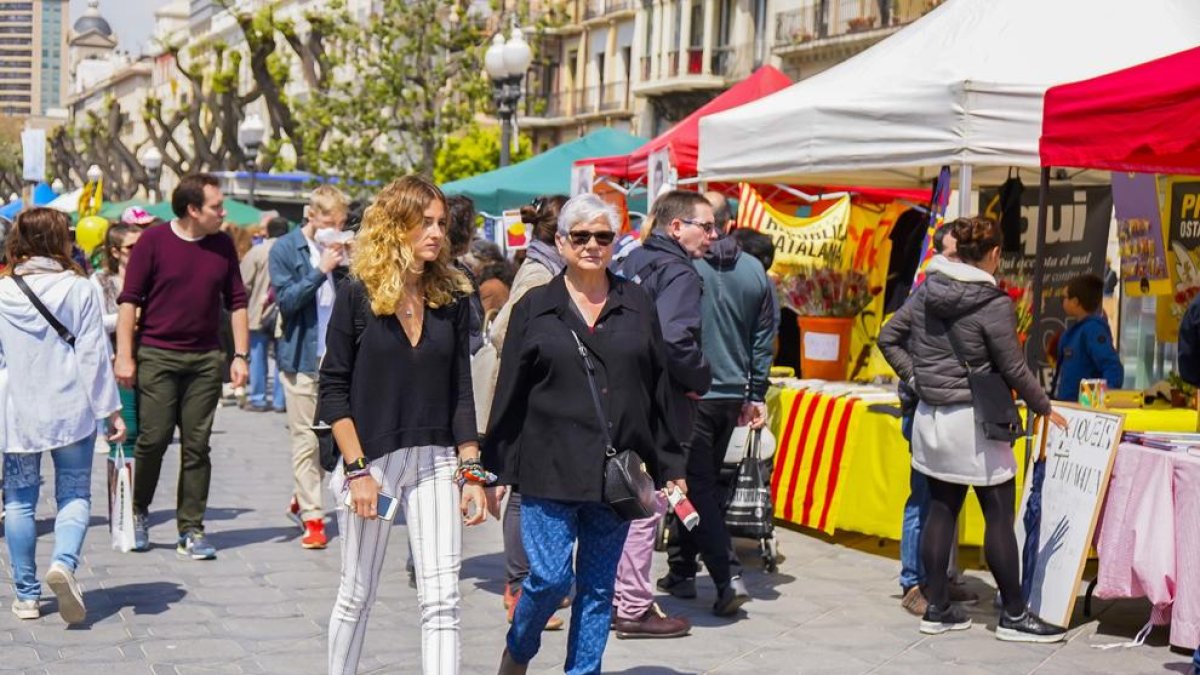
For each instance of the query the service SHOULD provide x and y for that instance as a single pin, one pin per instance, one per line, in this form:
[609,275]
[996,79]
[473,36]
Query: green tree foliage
[475,151]
[404,81]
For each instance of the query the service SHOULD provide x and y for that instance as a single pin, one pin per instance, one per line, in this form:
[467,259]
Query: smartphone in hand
[385,508]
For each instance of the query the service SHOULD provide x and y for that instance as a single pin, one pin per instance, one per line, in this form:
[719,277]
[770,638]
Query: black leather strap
[591,373]
[63,333]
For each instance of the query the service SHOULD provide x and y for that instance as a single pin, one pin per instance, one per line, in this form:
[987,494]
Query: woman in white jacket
[56,382]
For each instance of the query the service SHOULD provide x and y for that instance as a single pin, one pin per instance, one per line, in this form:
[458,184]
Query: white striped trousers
[423,479]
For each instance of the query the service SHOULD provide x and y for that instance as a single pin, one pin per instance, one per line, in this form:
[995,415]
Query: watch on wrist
[359,464]
[244,357]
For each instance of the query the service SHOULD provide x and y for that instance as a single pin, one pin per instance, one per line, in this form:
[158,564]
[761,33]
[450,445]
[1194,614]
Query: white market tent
[962,86]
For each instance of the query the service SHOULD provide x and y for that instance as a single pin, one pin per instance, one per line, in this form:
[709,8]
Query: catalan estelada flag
[937,215]
[811,457]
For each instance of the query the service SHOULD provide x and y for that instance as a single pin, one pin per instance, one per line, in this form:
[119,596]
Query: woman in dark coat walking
[545,438]
[959,309]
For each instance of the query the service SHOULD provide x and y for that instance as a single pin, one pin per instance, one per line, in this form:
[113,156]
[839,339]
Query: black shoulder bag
[991,397]
[62,331]
[628,489]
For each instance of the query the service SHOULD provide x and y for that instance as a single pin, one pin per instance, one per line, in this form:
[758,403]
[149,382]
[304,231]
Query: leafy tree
[475,151]
[11,167]
[405,80]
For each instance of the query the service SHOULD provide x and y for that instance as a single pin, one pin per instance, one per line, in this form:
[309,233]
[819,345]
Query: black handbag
[991,398]
[628,489]
[750,513]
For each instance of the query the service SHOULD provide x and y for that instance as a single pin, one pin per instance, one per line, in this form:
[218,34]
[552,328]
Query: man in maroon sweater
[179,275]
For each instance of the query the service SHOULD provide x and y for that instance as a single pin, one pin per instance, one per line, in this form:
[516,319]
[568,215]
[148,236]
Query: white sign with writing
[33,152]
[821,346]
[583,176]
[1078,465]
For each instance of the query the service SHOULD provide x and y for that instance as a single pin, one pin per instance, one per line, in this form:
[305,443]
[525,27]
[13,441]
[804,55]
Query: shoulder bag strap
[62,331]
[954,346]
[591,375]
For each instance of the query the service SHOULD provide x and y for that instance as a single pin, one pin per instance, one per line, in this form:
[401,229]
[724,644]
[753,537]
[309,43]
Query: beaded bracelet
[355,475]
[472,471]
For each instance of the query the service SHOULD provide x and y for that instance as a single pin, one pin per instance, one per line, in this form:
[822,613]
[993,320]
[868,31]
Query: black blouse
[544,438]
[399,396]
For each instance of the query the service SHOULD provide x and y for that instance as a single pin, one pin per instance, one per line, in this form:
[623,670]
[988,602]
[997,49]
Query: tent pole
[1039,269]
[964,190]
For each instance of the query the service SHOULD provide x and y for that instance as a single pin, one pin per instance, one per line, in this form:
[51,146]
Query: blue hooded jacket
[1085,352]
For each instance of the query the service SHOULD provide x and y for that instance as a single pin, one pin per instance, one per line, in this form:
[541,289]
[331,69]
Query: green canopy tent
[545,174]
[238,213]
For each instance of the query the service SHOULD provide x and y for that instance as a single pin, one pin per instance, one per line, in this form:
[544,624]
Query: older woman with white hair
[546,438]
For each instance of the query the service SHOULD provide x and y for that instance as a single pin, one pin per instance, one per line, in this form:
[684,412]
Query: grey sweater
[962,299]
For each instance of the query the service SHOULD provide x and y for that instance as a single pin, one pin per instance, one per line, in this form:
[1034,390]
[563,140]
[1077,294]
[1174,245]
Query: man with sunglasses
[684,228]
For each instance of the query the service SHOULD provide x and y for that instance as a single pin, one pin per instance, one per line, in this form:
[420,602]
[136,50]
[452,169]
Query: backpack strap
[62,331]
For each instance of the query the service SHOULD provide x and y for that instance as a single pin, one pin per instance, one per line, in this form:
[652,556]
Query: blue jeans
[549,530]
[72,492]
[915,509]
[1196,662]
[260,370]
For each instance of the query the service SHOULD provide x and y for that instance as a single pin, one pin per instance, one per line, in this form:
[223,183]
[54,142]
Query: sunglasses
[581,237]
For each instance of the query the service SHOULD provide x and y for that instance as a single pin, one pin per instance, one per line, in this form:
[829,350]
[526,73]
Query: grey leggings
[516,564]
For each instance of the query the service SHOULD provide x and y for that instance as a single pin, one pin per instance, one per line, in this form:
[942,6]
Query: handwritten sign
[1078,465]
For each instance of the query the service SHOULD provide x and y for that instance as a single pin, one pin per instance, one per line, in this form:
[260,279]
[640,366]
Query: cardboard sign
[517,234]
[1078,466]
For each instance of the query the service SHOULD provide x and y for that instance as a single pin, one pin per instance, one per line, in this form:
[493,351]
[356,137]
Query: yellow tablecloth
[843,464]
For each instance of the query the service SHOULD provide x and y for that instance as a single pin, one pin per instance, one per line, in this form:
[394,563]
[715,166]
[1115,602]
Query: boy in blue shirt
[1085,350]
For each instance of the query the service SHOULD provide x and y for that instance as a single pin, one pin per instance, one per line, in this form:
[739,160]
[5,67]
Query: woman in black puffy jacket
[959,309]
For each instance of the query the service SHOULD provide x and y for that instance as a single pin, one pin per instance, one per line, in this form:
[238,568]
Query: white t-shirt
[325,296]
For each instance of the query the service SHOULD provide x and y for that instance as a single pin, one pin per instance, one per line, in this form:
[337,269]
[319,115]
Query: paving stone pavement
[263,605]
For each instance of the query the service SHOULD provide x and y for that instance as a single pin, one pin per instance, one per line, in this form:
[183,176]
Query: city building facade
[33,51]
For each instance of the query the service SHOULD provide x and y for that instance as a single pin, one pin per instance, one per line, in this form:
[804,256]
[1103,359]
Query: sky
[133,20]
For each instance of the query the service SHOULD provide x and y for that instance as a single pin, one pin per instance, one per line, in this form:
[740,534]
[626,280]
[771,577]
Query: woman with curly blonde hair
[395,385]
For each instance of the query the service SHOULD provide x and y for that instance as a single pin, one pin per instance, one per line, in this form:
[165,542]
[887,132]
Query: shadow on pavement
[168,515]
[651,670]
[145,598]
[486,572]
[229,539]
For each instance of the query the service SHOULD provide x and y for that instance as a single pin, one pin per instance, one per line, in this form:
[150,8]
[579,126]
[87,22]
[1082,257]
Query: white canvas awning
[961,86]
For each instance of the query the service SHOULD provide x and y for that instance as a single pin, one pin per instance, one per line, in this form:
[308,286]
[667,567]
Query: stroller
[749,512]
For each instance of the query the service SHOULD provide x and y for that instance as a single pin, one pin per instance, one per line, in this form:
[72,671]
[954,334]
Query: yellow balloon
[89,233]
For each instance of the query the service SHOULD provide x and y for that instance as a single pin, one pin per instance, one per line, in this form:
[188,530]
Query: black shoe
[680,587]
[731,598]
[1028,628]
[937,621]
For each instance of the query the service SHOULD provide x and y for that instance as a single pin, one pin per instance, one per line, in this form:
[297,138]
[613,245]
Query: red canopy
[1144,119]
[684,137]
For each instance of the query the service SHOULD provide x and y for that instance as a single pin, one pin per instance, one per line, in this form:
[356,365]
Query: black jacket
[665,270]
[544,437]
[399,396]
[958,298]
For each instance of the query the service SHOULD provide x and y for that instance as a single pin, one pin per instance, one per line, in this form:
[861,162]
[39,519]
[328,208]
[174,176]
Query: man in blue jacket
[1085,350]
[302,274]
[684,228]
[740,319]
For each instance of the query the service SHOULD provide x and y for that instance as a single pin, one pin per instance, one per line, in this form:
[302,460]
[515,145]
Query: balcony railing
[615,96]
[587,100]
[598,8]
[545,105]
[809,23]
[734,61]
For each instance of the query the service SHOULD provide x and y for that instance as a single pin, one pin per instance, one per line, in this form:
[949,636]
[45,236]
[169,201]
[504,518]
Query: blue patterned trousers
[549,530]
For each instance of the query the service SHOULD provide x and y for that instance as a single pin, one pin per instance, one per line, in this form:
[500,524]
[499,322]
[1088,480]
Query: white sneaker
[26,609]
[70,600]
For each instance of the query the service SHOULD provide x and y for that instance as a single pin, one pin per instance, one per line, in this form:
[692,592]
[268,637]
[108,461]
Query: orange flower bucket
[824,347]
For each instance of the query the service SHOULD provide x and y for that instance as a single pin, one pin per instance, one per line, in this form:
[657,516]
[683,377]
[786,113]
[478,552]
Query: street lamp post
[152,161]
[250,137]
[506,63]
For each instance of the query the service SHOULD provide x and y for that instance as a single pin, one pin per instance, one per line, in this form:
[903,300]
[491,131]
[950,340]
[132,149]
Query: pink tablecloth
[1149,537]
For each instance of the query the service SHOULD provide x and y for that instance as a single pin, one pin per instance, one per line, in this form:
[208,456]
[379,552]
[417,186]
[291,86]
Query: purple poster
[1139,229]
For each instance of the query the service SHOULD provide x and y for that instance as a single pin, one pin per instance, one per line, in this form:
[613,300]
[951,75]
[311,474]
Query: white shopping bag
[120,499]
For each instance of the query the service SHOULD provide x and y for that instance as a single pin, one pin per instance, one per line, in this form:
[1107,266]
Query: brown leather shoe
[510,667]
[914,601]
[654,624]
